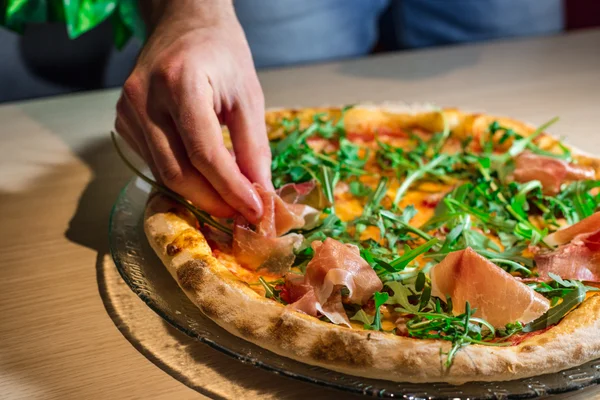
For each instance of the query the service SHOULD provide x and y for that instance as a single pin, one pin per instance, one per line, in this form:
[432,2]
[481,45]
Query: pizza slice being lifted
[403,243]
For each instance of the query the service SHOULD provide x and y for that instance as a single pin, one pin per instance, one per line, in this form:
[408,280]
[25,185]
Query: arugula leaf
[331,226]
[295,161]
[578,200]
[556,313]
[271,292]
[522,143]
[372,322]
[425,298]
[566,294]
[401,262]
[441,140]
[401,223]
[328,181]
[417,174]
[362,316]
[358,189]
[420,282]
[400,296]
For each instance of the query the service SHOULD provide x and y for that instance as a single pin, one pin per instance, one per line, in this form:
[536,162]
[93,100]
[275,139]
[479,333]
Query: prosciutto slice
[551,172]
[565,235]
[308,193]
[578,256]
[265,248]
[499,298]
[306,199]
[335,265]
[301,296]
[256,251]
[279,217]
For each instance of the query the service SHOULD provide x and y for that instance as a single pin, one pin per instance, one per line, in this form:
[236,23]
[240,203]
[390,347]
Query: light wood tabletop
[59,177]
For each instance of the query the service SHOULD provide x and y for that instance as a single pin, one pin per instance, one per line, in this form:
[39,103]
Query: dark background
[44,62]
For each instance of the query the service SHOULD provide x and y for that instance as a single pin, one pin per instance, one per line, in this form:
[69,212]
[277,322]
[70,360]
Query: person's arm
[195,72]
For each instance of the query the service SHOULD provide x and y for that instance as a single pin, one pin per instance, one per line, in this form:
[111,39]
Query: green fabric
[79,16]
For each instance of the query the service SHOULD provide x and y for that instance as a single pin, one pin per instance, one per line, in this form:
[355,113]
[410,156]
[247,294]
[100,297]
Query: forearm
[204,12]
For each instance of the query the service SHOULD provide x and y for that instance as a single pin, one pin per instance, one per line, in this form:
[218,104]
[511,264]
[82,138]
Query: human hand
[194,73]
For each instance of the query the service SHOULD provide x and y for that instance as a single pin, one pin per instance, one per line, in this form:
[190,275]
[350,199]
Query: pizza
[404,243]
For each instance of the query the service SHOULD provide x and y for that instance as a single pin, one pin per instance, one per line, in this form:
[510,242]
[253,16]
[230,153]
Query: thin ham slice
[565,235]
[279,217]
[301,295]
[305,199]
[309,193]
[499,298]
[578,260]
[335,265]
[265,248]
[551,172]
[578,256]
[255,251]
[295,286]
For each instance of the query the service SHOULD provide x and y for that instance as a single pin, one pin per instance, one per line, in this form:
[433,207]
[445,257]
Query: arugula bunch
[295,161]
[484,210]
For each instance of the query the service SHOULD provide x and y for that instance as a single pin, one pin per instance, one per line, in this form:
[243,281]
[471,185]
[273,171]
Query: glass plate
[148,278]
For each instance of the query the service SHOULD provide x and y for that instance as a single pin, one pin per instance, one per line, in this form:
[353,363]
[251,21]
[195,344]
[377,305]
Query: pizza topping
[255,251]
[550,171]
[465,276]
[307,304]
[565,295]
[578,256]
[565,235]
[308,193]
[333,267]
[265,248]
[278,217]
[485,212]
[305,199]
[337,264]
[579,260]
[295,286]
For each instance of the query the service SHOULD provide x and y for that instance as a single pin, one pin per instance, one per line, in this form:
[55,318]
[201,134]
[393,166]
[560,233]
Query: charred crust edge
[192,274]
[342,347]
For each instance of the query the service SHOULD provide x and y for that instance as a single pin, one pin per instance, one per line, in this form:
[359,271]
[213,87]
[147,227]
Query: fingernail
[256,207]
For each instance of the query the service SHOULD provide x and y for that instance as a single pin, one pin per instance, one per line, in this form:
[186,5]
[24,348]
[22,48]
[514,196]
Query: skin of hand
[195,73]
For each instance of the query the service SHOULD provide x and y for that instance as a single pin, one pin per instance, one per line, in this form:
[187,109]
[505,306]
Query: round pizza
[405,243]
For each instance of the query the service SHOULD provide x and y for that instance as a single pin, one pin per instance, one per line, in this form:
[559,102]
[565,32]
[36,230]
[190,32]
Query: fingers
[246,124]
[127,126]
[196,121]
[171,165]
[178,173]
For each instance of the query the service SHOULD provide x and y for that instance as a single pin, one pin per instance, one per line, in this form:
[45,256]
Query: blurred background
[43,60]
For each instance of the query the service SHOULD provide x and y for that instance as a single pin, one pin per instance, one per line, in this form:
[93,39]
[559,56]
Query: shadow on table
[89,227]
[414,65]
[89,224]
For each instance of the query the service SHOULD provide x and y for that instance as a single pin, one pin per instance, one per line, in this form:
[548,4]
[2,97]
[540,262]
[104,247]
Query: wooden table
[59,177]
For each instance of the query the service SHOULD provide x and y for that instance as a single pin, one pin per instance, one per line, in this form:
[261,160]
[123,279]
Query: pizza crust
[232,304]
